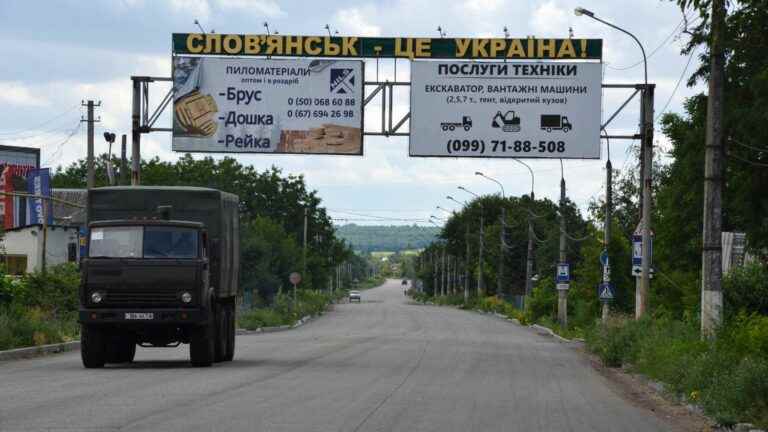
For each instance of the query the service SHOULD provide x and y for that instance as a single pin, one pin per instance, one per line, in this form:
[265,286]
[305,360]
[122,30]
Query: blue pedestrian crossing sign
[563,272]
[605,291]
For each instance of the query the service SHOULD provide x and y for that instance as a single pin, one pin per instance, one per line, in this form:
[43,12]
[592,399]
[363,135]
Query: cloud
[483,6]
[267,8]
[18,94]
[197,8]
[550,19]
[355,21]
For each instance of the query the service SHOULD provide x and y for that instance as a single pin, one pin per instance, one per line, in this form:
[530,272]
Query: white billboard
[494,109]
[267,106]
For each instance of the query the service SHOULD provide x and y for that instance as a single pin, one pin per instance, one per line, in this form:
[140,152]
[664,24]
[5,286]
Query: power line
[46,122]
[679,80]
[655,50]
[60,146]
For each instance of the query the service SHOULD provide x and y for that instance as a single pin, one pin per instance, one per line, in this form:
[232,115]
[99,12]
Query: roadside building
[21,248]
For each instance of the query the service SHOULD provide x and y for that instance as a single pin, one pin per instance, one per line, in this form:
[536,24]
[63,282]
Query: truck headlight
[186,297]
[97,297]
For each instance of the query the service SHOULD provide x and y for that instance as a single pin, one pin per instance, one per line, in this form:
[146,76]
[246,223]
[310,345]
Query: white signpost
[492,109]
[267,106]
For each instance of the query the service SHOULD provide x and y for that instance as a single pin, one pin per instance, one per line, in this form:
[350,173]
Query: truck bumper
[143,317]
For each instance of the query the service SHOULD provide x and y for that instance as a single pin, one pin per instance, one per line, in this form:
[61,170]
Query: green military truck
[162,269]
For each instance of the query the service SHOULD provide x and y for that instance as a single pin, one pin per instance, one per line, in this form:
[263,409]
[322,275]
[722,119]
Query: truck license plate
[139,315]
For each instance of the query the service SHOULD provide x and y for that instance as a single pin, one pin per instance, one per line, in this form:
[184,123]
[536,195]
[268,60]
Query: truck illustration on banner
[550,122]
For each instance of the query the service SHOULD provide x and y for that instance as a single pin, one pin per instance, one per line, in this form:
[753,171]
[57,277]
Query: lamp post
[480,249]
[447,211]
[643,283]
[500,277]
[466,240]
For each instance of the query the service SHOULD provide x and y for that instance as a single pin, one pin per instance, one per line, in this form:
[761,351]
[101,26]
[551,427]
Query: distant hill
[370,238]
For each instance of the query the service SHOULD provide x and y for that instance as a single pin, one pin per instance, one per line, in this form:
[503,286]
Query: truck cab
[151,280]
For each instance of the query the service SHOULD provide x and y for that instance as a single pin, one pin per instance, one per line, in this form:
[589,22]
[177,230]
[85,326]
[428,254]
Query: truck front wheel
[120,349]
[201,345]
[92,346]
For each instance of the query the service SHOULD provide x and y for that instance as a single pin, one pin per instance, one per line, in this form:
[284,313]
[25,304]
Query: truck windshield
[143,242]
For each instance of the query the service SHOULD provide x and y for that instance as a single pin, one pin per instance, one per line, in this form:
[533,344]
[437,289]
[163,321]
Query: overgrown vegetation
[284,311]
[39,308]
[726,377]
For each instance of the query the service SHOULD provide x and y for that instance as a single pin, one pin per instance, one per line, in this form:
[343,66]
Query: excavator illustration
[508,122]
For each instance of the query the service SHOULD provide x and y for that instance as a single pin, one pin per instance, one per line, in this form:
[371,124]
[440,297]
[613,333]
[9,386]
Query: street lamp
[435,217]
[480,249]
[579,11]
[478,173]
[646,156]
[529,170]
[502,237]
[461,203]
[447,211]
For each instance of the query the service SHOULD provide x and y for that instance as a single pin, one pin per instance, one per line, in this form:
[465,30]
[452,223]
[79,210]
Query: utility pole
[304,251]
[480,257]
[502,240]
[444,275]
[607,230]
[124,161]
[711,254]
[91,180]
[529,258]
[647,156]
[466,276]
[562,294]
[44,254]
[435,274]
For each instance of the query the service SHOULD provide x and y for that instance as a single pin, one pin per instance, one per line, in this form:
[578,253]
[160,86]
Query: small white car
[354,295]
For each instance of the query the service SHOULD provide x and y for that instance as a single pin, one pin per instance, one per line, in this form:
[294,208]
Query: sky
[56,54]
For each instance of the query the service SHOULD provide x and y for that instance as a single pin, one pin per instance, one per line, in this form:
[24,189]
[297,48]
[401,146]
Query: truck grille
[142,297]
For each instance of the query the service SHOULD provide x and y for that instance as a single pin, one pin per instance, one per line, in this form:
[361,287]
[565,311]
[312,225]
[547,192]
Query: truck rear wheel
[230,332]
[201,345]
[92,346]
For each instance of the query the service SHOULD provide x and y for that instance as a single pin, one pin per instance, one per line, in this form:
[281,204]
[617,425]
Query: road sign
[496,110]
[563,286]
[295,278]
[605,291]
[604,258]
[563,272]
[248,105]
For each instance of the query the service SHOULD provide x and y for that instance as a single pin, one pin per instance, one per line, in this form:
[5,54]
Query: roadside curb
[549,331]
[39,351]
[297,324]
[43,350]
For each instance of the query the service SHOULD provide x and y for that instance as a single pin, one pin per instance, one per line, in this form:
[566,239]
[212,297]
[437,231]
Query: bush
[285,312]
[33,327]
[728,377]
[745,289]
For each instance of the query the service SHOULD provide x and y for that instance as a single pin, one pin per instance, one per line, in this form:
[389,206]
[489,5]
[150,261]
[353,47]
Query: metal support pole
[435,262]
[562,295]
[124,161]
[645,279]
[607,230]
[136,134]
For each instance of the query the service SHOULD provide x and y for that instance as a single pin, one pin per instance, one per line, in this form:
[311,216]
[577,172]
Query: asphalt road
[382,365]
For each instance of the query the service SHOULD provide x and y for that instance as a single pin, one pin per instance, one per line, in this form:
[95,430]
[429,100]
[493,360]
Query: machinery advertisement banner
[267,106]
[514,110]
